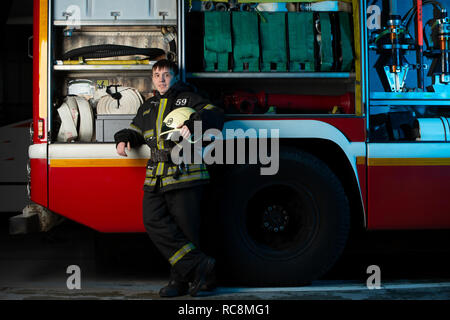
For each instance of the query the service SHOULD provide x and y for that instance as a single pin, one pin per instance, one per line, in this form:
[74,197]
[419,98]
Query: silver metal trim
[110,67]
[181,40]
[49,58]
[364,61]
[168,22]
[364,94]
[434,103]
[424,96]
[309,75]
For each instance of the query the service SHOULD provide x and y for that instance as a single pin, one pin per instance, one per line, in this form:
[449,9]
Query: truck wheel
[285,229]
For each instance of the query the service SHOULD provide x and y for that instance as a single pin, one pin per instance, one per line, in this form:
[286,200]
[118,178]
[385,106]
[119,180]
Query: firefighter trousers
[172,221]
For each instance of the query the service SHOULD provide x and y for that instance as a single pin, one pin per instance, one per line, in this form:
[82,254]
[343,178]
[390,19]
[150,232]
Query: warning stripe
[409,162]
[181,253]
[43,57]
[67,163]
[360,160]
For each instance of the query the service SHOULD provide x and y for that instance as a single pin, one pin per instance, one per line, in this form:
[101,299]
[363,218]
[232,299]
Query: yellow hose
[106,62]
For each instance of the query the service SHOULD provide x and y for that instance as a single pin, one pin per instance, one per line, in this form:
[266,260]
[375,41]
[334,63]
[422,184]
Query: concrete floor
[414,266]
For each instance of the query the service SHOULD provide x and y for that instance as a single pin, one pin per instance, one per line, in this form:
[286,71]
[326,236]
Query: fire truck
[358,91]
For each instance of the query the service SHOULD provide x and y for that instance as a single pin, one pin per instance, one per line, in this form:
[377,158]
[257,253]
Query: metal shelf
[277,75]
[99,68]
[409,98]
[168,22]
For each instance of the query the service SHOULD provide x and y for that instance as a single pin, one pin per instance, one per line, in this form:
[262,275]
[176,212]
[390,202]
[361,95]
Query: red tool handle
[419,23]
[316,102]
[246,102]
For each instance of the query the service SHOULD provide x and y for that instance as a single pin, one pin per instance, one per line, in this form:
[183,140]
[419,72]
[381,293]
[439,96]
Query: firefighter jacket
[146,128]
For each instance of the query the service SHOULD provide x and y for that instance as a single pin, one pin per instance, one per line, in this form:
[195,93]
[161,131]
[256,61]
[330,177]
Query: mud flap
[21,224]
[34,218]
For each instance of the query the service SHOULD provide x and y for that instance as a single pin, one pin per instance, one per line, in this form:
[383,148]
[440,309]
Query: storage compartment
[269,41]
[414,122]
[104,59]
[97,89]
[408,71]
[403,60]
[293,58]
[85,12]
[107,125]
[244,95]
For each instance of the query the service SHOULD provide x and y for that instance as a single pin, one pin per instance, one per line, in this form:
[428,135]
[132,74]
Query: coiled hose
[111,50]
[120,100]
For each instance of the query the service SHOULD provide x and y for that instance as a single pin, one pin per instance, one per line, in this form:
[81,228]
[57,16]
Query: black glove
[121,136]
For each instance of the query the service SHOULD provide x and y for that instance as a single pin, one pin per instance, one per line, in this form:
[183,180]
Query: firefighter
[173,194]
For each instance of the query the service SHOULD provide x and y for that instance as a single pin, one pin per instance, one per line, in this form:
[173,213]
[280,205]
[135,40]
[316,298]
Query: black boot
[210,283]
[203,273]
[174,289]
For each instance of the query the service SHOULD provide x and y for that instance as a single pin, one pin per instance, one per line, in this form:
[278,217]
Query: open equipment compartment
[408,44]
[102,53]
[275,59]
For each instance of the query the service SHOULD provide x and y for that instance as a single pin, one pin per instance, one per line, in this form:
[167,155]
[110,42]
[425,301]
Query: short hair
[164,63]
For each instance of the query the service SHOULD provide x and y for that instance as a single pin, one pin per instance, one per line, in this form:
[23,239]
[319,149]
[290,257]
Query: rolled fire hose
[207,6]
[433,129]
[68,112]
[271,7]
[75,110]
[86,120]
[129,102]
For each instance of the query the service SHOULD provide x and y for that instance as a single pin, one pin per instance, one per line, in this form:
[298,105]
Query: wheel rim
[280,221]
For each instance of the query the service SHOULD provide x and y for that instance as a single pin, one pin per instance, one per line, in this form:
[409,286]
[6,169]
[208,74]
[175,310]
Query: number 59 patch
[181,102]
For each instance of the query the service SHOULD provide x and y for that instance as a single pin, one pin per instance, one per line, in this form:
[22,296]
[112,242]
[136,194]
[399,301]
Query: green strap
[273,41]
[246,40]
[346,41]
[326,53]
[301,41]
[217,40]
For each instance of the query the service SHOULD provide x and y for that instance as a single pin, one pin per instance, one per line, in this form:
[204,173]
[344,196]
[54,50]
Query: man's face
[163,79]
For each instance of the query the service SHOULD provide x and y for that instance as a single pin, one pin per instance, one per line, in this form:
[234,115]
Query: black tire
[306,243]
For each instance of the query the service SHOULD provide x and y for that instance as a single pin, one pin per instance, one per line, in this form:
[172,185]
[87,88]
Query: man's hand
[185,133]
[121,148]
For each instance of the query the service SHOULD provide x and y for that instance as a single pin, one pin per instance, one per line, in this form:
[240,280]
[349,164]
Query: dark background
[16,67]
